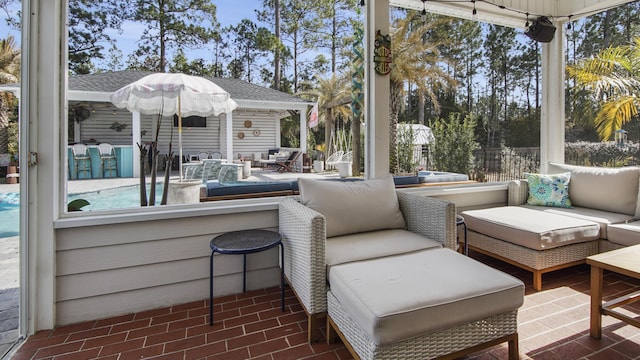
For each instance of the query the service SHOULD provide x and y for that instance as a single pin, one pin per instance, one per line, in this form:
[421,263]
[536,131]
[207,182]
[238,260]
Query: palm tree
[333,95]
[613,77]
[415,60]
[9,73]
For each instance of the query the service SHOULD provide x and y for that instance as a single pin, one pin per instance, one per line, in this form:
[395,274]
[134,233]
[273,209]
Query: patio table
[622,261]
[244,242]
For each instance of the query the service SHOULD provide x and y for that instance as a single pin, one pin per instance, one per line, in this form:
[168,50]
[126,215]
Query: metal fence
[490,165]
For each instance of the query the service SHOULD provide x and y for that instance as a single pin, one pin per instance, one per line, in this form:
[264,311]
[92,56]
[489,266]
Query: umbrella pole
[180,135]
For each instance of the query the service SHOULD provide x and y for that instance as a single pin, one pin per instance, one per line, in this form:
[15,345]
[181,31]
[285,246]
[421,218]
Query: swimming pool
[114,198]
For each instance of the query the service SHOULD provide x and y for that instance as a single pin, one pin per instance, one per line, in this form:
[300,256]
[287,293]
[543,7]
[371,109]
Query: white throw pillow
[353,206]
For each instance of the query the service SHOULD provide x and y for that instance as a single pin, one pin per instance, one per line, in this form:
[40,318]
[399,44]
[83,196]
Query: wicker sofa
[351,246]
[604,215]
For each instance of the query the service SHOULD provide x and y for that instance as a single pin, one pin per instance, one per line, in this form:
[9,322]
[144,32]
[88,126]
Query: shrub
[454,143]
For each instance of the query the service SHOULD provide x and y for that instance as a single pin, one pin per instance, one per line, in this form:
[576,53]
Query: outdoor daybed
[381,265]
[590,210]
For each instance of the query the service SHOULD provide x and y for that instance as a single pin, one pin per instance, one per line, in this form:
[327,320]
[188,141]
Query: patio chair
[216,155]
[82,161]
[108,160]
[203,155]
[334,158]
[288,165]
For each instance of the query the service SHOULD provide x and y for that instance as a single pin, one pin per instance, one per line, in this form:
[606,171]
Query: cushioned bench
[557,220]
[413,301]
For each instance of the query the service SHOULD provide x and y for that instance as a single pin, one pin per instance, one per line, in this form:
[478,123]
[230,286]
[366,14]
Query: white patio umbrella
[174,94]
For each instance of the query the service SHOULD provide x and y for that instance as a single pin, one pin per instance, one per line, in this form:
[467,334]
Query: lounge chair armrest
[518,192]
[303,235]
[431,217]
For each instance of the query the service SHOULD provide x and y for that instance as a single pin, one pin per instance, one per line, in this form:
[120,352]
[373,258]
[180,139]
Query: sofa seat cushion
[625,234]
[534,229]
[374,244]
[351,207]
[603,218]
[398,297]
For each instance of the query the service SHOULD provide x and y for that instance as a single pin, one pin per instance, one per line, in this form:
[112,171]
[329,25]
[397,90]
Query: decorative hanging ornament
[382,53]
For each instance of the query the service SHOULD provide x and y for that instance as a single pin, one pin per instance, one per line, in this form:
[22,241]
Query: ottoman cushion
[399,297]
[537,230]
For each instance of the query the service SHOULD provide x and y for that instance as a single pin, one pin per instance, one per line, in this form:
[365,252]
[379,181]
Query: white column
[136,139]
[229,124]
[552,117]
[303,130]
[43,113]
[376,97]
[76,132]
[277,130]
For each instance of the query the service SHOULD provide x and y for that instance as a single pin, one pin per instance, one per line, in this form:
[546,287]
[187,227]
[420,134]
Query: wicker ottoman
[422,305]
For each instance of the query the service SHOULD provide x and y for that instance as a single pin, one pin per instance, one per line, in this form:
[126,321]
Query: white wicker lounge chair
[304,236]
[347,265]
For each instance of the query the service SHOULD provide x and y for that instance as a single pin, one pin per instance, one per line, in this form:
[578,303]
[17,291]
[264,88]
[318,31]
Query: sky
[229,12]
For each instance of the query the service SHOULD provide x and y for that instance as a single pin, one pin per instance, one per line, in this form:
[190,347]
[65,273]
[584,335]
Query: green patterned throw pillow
[549,190]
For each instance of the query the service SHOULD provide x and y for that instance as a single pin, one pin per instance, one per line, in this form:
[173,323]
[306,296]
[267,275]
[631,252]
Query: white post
[136,139]
[43,114]
[552,117]
[229,124]
[277,125]
[376,97]
[303,130]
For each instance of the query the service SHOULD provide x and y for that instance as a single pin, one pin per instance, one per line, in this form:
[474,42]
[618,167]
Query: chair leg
[514,352]
[537,280]
[331,333]
[312,326]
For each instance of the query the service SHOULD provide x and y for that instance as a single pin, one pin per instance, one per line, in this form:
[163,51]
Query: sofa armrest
[303,233]
[518,192]
[431,217]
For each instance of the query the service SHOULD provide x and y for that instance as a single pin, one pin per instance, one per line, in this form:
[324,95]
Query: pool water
[115,198]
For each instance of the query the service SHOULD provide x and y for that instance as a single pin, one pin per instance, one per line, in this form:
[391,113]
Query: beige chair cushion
[609,189]
[625,234]
[374,244]
[353,206]
[602,218]
[538,230]
[398,297]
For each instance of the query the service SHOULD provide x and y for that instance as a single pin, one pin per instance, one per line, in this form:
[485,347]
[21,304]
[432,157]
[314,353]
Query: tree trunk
[143,184]
[4,126]
[276,59]
[394,106]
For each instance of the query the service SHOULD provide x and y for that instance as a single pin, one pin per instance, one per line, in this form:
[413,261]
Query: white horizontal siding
[263,122]
[122,268]
[98,128]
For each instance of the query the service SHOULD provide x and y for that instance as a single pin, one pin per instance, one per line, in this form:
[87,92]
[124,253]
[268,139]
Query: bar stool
[108,160]
[82,160]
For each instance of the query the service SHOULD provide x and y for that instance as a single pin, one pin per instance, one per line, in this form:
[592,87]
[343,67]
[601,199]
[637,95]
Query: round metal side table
[242,243]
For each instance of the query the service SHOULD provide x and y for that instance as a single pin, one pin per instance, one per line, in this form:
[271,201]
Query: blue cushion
[214,188]
[405,180]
